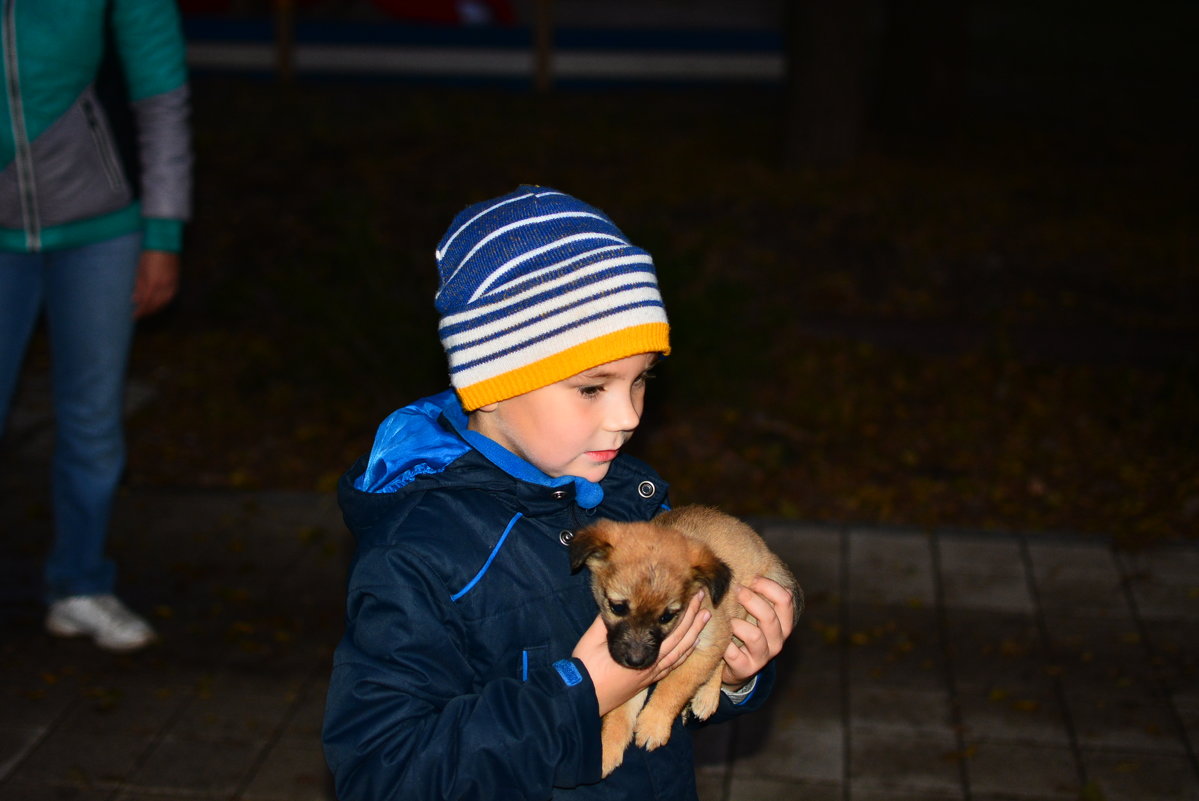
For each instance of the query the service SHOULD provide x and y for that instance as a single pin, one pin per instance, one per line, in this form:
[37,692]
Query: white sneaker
[111,624]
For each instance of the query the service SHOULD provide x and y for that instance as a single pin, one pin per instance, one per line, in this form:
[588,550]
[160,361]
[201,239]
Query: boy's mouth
[603,456]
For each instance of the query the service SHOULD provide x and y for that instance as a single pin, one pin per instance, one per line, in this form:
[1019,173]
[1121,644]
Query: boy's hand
[614,683]
[774,609]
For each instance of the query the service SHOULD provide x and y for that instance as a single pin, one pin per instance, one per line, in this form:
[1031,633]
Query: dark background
[943,273]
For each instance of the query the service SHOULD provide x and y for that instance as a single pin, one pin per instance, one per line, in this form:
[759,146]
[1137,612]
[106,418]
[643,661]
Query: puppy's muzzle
[632,647]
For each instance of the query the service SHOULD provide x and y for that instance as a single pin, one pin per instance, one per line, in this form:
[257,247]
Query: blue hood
[426,437]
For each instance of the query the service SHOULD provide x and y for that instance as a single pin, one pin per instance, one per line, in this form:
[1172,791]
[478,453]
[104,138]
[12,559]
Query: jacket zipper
[108,159]
[24,159]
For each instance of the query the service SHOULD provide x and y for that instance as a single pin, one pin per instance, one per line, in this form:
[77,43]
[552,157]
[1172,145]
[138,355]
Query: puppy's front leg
[616,731]
[672,694]
[707,697]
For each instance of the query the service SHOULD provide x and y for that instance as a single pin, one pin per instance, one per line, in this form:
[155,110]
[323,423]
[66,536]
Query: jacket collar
[412,441]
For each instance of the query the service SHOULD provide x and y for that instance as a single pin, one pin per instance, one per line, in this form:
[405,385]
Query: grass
[995,332]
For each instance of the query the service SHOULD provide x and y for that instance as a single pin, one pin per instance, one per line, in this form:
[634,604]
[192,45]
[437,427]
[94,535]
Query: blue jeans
[87,294]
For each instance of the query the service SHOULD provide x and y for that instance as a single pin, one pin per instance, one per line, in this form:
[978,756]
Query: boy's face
[575,427]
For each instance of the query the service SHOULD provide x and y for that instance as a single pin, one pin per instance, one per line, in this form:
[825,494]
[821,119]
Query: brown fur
[643,575]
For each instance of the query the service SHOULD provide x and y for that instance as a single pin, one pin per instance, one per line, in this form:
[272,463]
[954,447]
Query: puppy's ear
[591,543]
[714,574]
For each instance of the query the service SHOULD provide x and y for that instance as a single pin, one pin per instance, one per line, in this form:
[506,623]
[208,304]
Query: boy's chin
[594,473]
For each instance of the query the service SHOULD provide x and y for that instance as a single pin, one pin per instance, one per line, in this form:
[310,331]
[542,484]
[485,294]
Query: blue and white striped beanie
[537,286]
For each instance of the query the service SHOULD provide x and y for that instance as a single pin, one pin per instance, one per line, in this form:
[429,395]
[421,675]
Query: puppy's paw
[705,702]
[653,729]
[613,757]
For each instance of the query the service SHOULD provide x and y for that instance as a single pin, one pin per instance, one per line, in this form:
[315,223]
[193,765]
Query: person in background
[94,248]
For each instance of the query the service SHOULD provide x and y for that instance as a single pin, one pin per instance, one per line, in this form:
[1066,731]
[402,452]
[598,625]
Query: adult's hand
[157,281]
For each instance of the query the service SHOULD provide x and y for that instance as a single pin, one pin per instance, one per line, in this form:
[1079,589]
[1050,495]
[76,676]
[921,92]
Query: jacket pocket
[532,660]
[78,172]
[106,153]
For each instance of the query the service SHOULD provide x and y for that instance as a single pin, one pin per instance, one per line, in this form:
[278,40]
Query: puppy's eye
[667,616]
[619,608]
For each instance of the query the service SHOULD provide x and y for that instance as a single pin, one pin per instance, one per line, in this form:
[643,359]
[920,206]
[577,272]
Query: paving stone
[1106,651]
[307,714]
[1171,563]
[984,574]
[1015,769]
[874,794]
[804,746]
[814,646]
[894,644]
[812,553]
[771,789]
[291,773]
[1025,714]
[1174,651]
[904,709]
[1123,718]
[15,743]
[709,785]
[213,769]
[1141,777]
[1017,793]
[891,568]
[36,703]
[23,790]
[995,649]
[64,757]
[919,762]
[1169,602]
[122,708]
[140,794]
[1186,702]
[1077,579]
[247,713]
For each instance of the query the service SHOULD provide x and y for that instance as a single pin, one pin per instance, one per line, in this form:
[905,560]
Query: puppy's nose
[641,659]
[635,655]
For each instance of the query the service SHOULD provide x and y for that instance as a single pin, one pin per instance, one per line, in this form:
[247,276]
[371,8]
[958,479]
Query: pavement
[929,664]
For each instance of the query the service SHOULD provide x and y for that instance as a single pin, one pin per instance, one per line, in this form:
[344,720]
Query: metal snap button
[558,495]
[565,537]
[646,489]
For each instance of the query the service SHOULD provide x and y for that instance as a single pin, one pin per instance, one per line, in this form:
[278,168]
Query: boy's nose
[625,414]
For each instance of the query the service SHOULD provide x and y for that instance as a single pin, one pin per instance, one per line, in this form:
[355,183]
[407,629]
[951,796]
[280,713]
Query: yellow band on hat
[646,338]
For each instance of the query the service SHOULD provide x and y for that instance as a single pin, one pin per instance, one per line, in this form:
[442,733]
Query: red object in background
[446,12]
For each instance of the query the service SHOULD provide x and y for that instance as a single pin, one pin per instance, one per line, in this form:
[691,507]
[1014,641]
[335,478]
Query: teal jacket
[62,183]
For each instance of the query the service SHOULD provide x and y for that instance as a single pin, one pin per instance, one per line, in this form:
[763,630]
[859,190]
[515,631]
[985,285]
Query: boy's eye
[590,391]
[619,608]
[667,616]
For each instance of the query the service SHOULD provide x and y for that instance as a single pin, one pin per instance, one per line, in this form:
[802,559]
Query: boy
[474,664]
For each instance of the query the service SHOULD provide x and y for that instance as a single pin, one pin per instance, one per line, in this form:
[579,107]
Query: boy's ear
[589,544]
[713,574]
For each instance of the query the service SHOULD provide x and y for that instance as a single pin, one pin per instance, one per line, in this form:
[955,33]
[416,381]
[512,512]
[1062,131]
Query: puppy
[643,575]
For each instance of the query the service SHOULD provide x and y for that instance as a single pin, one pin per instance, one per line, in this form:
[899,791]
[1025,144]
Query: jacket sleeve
[407,717]
[153,56]
[728,710]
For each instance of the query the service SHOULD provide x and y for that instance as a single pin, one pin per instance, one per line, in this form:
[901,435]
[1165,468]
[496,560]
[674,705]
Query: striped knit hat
[537,286]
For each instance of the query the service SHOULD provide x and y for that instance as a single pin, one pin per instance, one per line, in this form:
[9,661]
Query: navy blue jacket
[454,679]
